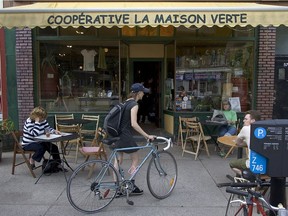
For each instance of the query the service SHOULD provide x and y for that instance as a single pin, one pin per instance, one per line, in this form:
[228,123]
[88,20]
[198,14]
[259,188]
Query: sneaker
[136,191]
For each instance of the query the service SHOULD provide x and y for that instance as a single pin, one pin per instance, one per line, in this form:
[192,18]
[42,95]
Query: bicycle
[247,198]
[95,189]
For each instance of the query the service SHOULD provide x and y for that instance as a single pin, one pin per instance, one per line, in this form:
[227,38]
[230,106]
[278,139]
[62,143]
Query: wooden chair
[86,133]
[77,142]
[196,136]
[96,147]
[18,150]
[62,117]
[182,129]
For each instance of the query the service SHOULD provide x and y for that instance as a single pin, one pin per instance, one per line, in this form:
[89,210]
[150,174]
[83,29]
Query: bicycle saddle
[109,141]
[247,174]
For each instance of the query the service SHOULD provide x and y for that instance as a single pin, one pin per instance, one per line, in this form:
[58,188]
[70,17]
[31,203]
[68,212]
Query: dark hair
[254,114]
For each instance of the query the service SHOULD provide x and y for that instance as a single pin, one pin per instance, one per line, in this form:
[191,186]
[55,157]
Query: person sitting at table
[243,139]
[34,126]
[231,117]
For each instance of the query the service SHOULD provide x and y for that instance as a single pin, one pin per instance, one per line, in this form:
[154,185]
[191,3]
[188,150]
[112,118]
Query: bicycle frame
[152,147]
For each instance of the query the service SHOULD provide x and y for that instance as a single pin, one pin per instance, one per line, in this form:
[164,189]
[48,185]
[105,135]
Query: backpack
[113,120]
[50,166]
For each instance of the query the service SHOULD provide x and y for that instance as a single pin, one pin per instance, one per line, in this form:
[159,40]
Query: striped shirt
[32,129]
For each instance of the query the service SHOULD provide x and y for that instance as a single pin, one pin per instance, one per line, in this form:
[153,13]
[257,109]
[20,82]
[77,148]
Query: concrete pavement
[195,193]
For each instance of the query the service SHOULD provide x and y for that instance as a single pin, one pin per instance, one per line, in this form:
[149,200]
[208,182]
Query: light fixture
[61,54]
[106,50]
[69,46]
[79,32]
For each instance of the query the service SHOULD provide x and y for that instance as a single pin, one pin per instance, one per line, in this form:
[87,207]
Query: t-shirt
[230,115]
[245,135]
[88,55]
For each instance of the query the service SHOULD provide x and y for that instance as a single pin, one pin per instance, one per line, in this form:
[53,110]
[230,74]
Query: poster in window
[235,104]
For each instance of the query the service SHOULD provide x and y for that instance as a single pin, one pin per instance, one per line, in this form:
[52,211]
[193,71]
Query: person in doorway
[231,117]
[128,123]
[34,126]
[243,139]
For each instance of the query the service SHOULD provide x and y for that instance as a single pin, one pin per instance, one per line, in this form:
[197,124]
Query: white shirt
[245,135]
[88,59]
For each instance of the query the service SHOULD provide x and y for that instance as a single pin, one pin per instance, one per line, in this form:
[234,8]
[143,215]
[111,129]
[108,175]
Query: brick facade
[24,73]
[265,73]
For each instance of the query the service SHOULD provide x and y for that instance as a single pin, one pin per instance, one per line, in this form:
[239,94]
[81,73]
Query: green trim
[12,95]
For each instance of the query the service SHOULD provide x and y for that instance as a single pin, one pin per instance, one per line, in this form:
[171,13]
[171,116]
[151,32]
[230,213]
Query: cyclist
[243,139]
[128,123]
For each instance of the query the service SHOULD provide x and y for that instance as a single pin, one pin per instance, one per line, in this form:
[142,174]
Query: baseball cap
[136,87]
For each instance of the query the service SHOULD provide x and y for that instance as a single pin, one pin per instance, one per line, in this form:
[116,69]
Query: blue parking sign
[258,163]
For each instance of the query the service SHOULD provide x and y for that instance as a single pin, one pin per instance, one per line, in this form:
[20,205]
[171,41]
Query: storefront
[84,56]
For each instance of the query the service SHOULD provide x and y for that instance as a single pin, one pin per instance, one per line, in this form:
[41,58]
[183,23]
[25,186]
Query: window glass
[127,31]
[77,75]
[47,31]
[108,32]
[183,31]
[147,31]
[167,31]
[247,31]
[215,31]
[81,31]
[208,71]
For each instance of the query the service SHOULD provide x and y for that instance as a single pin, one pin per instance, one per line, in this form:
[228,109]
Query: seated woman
[34,126]
[231,116]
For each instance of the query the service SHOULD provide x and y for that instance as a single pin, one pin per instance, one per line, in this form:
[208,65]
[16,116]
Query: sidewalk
[195,193]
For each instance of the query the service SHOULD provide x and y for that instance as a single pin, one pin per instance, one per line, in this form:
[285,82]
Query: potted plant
[6,127]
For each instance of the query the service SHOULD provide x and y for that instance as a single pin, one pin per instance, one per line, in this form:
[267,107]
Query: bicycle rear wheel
[235,208]
[92,186]
[162,174]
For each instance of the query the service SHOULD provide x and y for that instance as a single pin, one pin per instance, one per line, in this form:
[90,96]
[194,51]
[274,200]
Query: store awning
[141,14]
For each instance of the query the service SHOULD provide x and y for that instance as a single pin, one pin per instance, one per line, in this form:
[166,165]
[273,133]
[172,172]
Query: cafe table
[231,142]
[64,139]
[212,126]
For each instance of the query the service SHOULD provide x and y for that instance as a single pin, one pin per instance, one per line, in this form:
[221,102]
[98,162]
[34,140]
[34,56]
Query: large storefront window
[79,75]
[209,71]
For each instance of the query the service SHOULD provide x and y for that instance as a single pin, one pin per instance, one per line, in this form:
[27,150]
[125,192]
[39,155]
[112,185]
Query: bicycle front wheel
[162,174]
[235,208]
[92,186]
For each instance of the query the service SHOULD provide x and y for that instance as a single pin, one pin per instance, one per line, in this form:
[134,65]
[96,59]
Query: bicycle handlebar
[281,210]
[249,184]
[237,191]
[168,141]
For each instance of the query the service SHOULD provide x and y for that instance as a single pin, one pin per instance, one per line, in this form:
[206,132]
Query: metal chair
[196,136]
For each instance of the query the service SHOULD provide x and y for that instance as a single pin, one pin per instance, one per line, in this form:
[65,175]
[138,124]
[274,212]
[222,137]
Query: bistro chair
[18,150]
[76,142]
[59,117]
[182,128]
[90,132]
[196,137]
[95,147]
